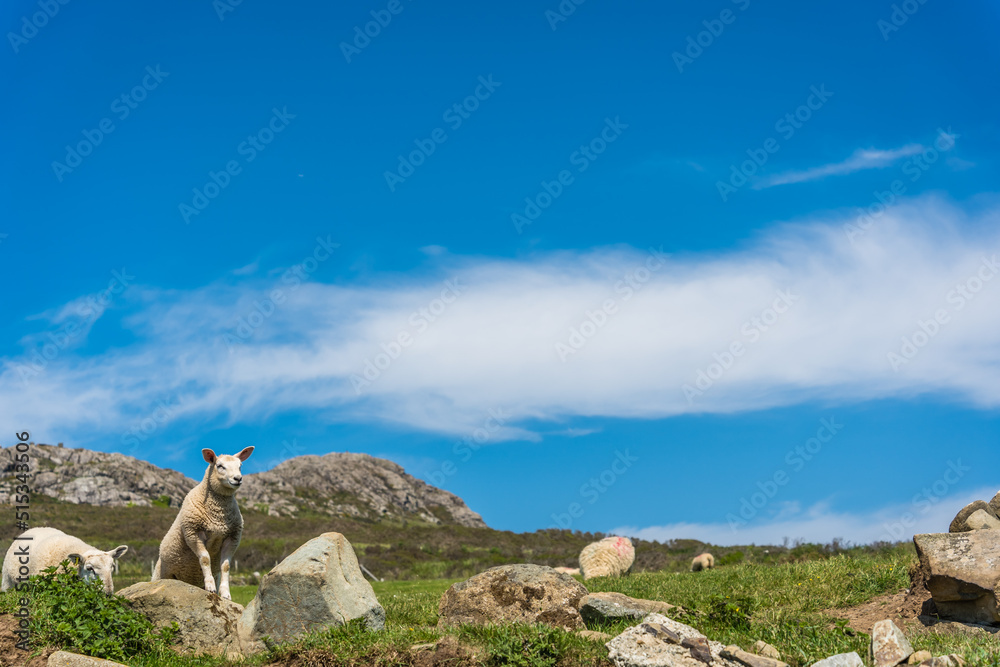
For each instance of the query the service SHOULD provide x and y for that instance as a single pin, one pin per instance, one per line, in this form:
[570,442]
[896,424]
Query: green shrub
[162,501]
[78,616]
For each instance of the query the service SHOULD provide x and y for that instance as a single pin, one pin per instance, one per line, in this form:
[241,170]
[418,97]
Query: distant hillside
[338,484]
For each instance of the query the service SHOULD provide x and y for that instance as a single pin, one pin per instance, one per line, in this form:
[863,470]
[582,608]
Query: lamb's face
[99,565]
[227,469]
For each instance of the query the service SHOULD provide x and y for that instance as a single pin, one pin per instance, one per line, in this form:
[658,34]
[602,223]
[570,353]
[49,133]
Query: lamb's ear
[117,552]
[245,454]
[209,455]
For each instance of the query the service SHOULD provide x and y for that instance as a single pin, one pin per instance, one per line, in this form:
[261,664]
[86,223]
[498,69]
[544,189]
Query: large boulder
[661,642]
[961,571]
[995,505]
[317,586]
[206,622]
[958,524]
[606,607]
[982,520]
[851,659]
[67,659]
[514,593]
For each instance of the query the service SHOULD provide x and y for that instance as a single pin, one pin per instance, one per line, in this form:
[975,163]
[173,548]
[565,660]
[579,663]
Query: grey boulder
[851,659]
[889,645]
[982,520]
[319,585]
[961,572]
[603,607]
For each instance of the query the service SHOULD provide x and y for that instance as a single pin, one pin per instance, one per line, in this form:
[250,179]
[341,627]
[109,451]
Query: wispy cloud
[863,158]
[495,345]
[820,524]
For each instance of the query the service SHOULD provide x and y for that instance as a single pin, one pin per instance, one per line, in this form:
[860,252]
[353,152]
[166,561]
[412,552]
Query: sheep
[567,570]
[203,538]
[39,548]
[705,561]
[610,557]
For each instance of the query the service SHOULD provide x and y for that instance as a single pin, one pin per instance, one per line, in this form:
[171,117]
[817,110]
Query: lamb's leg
[225,554]
[196,542]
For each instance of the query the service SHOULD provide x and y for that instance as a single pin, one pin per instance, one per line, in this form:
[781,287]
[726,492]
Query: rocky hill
[338,484]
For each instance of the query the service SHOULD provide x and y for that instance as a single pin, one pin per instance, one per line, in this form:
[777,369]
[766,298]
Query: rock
[958,524]
[941,661]
[889,645]
[962,570]
[750,659]
[319,585]
[67,659]
[594,635]
[957,659]
[761,647]
[662,642]
[603,607]
[514,593]
[995,505]
[919,657]
[208,624]
[982,520]
[851,659]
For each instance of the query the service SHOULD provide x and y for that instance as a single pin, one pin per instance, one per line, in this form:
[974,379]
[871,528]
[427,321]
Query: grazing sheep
[567,570]
[705,561]
[204,536]
[50,546]
[610,557]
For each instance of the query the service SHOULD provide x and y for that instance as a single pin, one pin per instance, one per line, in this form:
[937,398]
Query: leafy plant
[77,615]
[162,501]
[731,612]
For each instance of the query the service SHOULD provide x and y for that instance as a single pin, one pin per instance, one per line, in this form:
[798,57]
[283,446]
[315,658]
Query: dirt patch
[10,655]
[912,607]
[446,652]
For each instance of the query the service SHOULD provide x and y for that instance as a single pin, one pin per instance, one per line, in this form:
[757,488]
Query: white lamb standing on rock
[47,547]
[705,561]
[610,557]
[203,538]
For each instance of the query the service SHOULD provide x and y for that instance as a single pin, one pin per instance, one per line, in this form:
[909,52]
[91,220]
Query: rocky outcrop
[206,622]
[337,484]
[514,593]
[661,642]
[96,478]
[889,645]
[354,485]
[961,571]
[319,585]
[607,607]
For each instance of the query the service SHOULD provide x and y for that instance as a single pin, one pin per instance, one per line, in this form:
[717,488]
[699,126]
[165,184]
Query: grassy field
[782,604]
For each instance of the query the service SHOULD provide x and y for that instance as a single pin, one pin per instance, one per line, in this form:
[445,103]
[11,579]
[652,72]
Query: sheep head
[94,565]
[224,474]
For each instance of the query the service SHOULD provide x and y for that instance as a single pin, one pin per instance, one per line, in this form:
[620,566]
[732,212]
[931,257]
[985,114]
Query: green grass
[736,604]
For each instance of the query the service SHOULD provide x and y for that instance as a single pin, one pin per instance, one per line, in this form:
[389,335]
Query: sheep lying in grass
[610,557]
[204,536]
[50,546]
[705,561]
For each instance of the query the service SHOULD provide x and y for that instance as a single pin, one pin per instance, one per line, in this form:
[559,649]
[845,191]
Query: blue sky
[607,268]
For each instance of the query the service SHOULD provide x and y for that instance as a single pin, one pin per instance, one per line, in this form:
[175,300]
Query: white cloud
[494,346]
[863,158]
[819,524]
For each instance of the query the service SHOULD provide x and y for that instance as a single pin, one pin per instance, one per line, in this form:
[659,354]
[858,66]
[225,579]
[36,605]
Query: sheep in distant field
[705,561]
[610,557]
[203,538]
[567,570]
[47,547]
